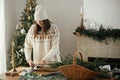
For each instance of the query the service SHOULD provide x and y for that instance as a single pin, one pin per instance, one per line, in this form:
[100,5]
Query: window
[2,38]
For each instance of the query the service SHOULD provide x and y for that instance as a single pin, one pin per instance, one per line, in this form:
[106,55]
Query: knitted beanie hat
[40,13]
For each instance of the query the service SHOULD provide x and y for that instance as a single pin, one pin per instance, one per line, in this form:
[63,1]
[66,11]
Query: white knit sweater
[44,47]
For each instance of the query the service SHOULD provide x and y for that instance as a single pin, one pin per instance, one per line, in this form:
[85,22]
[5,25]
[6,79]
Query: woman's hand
[30,62]
[42,62]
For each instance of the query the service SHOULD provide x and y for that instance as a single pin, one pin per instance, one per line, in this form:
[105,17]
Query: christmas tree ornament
[28,17]
[21,50]
[23,18]
[30,8]
[17,27]
[22,31]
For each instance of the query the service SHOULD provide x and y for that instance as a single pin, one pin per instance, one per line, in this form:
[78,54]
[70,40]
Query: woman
[43,39]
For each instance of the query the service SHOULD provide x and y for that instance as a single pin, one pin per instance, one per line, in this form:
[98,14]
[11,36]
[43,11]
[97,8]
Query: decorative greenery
[25,22]
[34,76]
[101,34]
[90,65]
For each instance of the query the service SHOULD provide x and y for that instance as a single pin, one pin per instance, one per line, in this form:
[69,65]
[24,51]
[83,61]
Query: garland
[35,76]
[89,65]
[100,34]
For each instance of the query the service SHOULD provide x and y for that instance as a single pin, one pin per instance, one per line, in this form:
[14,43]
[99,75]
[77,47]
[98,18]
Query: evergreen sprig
[89,65]
[101,34]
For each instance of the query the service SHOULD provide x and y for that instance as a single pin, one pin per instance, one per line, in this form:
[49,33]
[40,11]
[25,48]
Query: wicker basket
[77,72]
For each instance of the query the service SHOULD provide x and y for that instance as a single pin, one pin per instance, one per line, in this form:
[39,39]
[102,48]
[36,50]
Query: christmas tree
[25,22]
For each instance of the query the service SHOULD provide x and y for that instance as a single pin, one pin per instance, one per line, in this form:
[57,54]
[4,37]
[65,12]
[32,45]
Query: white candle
[81,10]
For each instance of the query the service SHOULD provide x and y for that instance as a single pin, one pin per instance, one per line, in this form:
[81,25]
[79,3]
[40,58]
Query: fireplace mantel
[91,48]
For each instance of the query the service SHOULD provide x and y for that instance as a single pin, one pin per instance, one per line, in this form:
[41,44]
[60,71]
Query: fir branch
[101,34]
[89,65]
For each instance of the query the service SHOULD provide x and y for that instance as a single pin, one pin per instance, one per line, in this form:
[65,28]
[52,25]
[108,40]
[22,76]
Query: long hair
[46,27]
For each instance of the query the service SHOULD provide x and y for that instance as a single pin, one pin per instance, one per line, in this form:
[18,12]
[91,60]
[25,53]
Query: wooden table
[5,77]
[9,77]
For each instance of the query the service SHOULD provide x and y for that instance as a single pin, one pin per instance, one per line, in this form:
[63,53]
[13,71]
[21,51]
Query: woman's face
[40,23]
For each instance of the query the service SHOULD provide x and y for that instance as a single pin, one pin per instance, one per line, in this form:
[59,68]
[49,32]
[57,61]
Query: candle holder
[82,27]
[13,57]
[12,72]
[82,22]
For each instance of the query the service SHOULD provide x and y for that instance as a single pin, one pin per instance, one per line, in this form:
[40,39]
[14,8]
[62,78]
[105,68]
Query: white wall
[104,12]
[64,13]
[10,18]
[13,10]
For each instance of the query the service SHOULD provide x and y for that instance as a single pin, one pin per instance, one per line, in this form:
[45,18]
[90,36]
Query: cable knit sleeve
[54,53]
[28,45]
